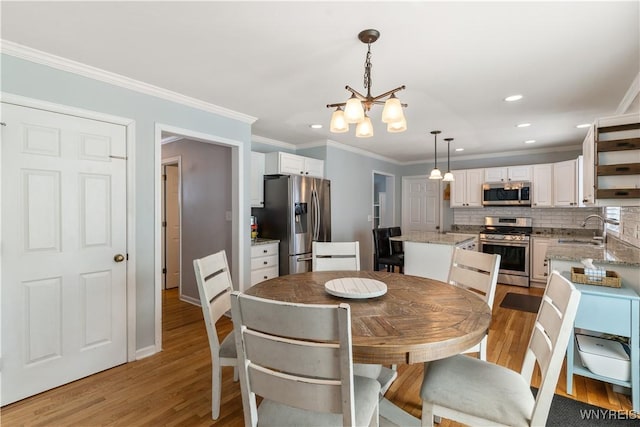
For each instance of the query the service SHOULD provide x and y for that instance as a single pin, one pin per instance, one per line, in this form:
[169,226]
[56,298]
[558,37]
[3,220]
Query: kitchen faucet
[604,226]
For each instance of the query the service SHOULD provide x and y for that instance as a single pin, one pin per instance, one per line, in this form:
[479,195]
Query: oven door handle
[504,243]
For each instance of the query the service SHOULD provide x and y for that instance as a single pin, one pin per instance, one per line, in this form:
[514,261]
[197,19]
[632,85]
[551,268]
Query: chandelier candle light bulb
[338,122]
[358,105]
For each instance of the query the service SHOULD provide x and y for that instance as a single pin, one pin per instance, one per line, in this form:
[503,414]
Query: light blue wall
[351,178]
[41,82]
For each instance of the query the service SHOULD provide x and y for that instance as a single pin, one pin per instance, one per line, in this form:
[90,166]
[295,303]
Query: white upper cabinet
[257,182]
[292,164]
[567,183]
[466,190]
[511,173]
[542,186]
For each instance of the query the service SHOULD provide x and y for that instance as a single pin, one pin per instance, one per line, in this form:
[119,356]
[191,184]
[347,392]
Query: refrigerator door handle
[301,259]
[316,214]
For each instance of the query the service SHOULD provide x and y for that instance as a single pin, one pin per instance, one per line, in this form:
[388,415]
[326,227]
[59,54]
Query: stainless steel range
[509,237]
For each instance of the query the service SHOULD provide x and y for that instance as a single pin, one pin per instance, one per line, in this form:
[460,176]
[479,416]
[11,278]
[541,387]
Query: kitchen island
[428,254]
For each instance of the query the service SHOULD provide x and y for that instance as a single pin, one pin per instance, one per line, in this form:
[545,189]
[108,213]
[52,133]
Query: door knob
[118,258]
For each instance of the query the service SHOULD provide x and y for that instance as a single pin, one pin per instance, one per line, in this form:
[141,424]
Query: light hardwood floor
[173,388]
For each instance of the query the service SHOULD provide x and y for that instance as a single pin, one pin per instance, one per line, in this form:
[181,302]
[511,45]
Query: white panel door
[420,204]
[172,218]
[63,222]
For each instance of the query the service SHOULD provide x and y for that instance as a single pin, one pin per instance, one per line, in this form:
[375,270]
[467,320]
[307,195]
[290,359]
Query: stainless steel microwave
[507,194]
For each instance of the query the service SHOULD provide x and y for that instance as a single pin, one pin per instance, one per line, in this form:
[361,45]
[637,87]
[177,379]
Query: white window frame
[612,212]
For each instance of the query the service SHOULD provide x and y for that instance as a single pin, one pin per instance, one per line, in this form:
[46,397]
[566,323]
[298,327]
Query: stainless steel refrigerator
[297,211]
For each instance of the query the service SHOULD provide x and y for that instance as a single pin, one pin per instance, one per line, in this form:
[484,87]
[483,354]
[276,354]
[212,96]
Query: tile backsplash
[556,218]
[547,218]
[630,219]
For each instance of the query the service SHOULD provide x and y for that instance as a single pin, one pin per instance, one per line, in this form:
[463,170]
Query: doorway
[383,212]
[218,197]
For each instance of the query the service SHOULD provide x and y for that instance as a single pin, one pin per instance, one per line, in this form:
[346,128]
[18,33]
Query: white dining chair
[327,256]
[477,272]
[476,392]
[298,358]
[337,256]
[215,286]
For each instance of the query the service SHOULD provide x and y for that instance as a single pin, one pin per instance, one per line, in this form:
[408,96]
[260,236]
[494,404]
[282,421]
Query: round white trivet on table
[355,287]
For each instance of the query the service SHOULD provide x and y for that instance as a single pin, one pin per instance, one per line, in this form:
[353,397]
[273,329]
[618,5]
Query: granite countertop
[614,252]
[261,241]
[435,237]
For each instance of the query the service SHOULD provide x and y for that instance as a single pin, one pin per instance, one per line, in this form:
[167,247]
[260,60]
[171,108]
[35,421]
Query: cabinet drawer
[609,315]
[258,276]
[264,262]
[264,250]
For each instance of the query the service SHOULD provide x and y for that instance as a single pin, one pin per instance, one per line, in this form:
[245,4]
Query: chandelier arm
[392,91]
[341,104]
[360,96]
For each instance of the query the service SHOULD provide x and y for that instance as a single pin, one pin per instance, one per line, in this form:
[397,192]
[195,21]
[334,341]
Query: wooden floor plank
[173,387]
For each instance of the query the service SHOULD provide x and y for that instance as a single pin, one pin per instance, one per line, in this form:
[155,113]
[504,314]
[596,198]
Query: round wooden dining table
[416,320]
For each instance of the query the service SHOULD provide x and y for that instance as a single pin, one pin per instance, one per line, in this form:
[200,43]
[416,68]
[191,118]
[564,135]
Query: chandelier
[357,107]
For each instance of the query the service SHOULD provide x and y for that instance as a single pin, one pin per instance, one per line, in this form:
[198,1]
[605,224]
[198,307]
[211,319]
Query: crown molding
[630,95]
[344,147]
[504,154]
[33,55]
[274,142]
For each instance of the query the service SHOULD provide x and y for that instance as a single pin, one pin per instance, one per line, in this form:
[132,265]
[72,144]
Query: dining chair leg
[427,414]
[216,389]
[235,374]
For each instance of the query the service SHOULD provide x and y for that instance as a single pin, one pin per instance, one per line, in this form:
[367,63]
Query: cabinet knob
[264,251]
[546,274]
[265,277]
[265,262]
[306,173]
[301,172]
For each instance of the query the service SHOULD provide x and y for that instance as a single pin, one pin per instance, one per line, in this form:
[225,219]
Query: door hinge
[164,223]
[164,271]
[127,257]
[164,177]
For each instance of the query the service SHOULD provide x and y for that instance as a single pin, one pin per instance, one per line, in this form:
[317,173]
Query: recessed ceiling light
[523,125]
[459,149]
[513,98]
[583,125]
[315,126]
[530,141]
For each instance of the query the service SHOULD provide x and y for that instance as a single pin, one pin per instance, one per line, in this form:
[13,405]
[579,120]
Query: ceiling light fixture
[530,141]
[459,149]
[435,172]
[523,125]
[358,105]
[583,125]
[448,176]
[513,98]
[315,126]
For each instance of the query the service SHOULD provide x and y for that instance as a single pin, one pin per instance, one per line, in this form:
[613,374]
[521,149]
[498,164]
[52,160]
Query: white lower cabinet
[539,264]
[264,262]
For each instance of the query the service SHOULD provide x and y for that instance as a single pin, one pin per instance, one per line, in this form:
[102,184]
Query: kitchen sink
[594,243]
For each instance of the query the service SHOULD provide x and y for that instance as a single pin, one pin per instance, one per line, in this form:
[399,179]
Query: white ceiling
[282,62]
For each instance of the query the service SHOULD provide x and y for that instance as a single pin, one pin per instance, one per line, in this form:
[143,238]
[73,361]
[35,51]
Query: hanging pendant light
[448,176]
[435,172]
